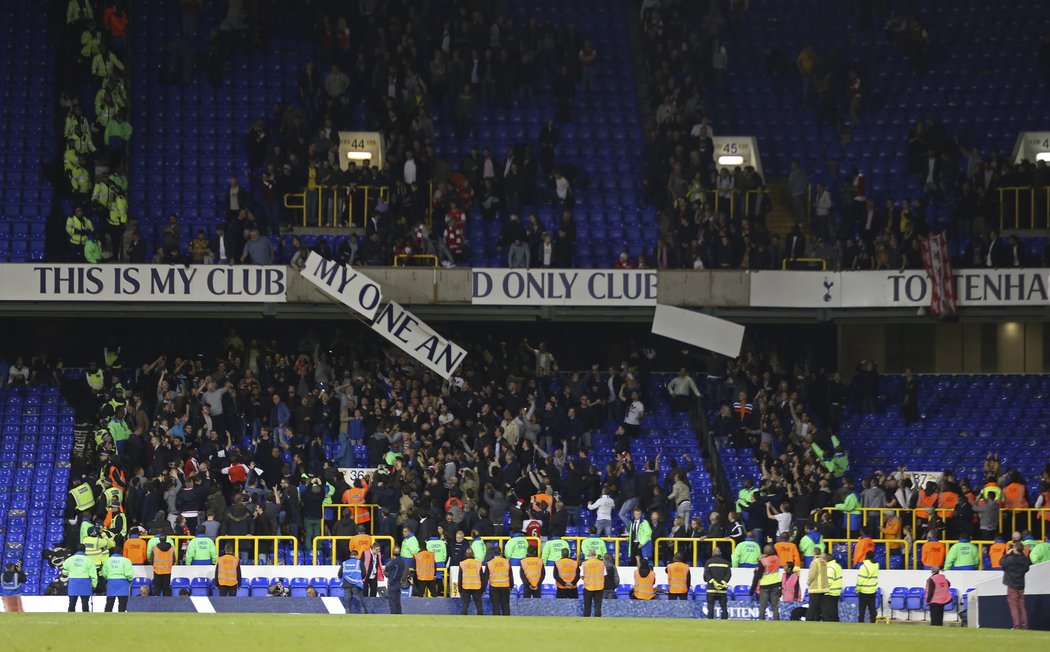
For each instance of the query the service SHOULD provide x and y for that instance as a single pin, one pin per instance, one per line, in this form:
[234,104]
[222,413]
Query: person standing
[829,612]
[766,583]
[678,579]
[425,581]
[118,572]
[83,578]
[12,586]
[717,575]
[963,555]
[1015,566]
[354,583]
[566,576]
[372,569]
[395,570]
[499,584]
[817,585]
[532,572]
[163,558]
[228,573]
[640,537]
[200,551]
[470,583]
[593,585]
[867,585]
[938,595]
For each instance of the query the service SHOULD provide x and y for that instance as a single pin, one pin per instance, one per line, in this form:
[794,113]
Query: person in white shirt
[633,419]
[783,517]
[19,373]
[822,212]
[603,517]
[410,168]
[681,388]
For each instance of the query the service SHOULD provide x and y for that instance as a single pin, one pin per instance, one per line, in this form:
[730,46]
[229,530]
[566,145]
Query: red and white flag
[938,264]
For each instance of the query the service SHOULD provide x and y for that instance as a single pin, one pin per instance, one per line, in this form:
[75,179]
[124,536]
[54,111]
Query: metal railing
[399,260]
[906,516]
[1031,202]
[578,541]
[178,543]
[342,206]
[1028,518]
[274,540]
[695,543]
[339,507]
[890,545]
[334,540]
[916,546]
[713,198]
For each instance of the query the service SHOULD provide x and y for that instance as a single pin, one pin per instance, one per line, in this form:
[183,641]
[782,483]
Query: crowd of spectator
[250,442]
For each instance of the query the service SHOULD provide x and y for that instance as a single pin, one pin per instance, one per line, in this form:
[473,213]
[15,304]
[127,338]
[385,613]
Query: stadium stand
[26,90]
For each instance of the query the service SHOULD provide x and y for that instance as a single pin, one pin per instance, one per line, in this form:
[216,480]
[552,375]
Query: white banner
[407,332]
[344,284]
[698,329]
[910,289]
[351,474]
[564,287]
[161,283]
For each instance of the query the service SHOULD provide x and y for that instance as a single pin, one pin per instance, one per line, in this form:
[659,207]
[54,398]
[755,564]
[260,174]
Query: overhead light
[358,156]
[731,159]
[1042,156]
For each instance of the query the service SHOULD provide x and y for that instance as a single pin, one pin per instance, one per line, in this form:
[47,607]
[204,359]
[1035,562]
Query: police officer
[83,578]
[118,573]
[228,572]
[78,227]
[717,575]
[97,545]
[12,586]
[200,551]
[395,570]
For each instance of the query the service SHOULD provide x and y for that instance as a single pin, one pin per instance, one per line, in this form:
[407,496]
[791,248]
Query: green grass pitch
[259,632]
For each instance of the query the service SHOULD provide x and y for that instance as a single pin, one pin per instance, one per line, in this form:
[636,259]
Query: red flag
[938,266]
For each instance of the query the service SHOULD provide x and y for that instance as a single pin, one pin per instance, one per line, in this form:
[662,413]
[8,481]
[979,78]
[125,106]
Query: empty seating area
[964,417]
[26,93]
[980,79]
[36,436]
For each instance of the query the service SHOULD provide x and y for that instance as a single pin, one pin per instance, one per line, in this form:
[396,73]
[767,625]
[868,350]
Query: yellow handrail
[948,543]
[615,541]
[178,541]
[850,543]
[255,540]
[401,257]
[823,262]
[354,209]
[881,511]
[696,543]
[334,539]
[1016,193]
[1030,516]
[339,507]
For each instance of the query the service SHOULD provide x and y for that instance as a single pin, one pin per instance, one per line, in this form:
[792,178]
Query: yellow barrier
[255,540]
[1029,518]
[350,201]
[1025,195]
[850,543]
[398,259]
[339,507]
[178,543]
[823,262]
[948,543]
[335,539]
[695,543]
[615,541]
[866,519]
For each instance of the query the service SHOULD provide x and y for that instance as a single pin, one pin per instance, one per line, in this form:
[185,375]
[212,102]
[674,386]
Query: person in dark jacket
[717,574]
[395,570]
[1015,566]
